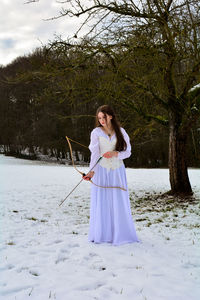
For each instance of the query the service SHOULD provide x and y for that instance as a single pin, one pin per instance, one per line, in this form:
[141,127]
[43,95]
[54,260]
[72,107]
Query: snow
[45,253]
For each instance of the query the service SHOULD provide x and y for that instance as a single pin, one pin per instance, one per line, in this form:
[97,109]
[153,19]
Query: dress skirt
[110,213]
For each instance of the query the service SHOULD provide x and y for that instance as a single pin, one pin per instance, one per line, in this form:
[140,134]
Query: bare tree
[168,33]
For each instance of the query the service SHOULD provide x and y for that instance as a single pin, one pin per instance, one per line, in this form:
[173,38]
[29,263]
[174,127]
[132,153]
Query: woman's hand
[88,176]
[110,154]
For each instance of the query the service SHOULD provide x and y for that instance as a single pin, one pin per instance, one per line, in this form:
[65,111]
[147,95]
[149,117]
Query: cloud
[23,27]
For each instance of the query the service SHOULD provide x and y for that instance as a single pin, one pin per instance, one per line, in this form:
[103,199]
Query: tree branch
[123,9]
[190,80]
[159,119]
[148,90]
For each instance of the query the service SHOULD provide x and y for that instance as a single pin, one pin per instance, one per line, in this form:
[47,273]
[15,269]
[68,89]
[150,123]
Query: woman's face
[104,119]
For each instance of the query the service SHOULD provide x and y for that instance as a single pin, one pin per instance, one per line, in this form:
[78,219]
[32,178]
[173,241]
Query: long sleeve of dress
[126,153]
[94,149]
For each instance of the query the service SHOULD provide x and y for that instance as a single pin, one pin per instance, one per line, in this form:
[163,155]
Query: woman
[110,214]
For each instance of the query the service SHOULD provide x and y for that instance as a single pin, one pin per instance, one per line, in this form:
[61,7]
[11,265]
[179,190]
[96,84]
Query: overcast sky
[23,27]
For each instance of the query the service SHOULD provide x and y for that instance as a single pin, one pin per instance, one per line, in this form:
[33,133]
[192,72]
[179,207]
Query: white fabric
[105,146]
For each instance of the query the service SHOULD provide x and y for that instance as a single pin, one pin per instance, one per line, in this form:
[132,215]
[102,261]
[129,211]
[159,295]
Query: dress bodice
[106,145]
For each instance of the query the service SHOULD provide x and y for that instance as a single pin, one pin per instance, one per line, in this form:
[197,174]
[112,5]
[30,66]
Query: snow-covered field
[45,253]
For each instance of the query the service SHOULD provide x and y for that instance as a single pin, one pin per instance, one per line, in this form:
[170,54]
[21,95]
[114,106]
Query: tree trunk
[179,180]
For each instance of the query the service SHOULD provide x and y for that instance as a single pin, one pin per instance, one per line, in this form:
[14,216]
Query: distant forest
[56,90]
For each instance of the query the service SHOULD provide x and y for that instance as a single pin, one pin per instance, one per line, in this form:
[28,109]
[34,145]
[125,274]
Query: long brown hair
[106,109]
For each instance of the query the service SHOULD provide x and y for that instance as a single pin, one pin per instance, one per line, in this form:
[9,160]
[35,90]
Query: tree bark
[179,179]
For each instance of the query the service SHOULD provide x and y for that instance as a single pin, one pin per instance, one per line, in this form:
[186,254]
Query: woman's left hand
[88,176]
[110,154]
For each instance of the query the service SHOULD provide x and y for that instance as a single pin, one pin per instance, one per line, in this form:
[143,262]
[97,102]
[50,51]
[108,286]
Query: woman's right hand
[88,176]
[110,154]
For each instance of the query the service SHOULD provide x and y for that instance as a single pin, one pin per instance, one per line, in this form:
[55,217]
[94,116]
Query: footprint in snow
[19,270]
[92,286]
[33,252]
[54,242]
[90,256]
[113,289]
[61,258]
[3,284]
[34,273]
[58,241]
[7,267]
[73,245]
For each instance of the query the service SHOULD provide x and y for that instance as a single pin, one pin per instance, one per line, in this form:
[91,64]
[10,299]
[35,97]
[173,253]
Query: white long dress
[110,214]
